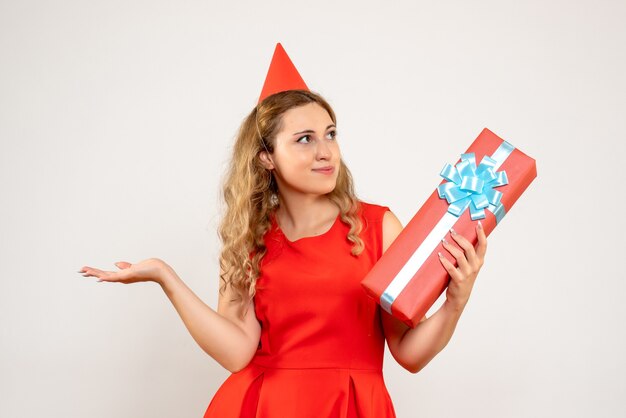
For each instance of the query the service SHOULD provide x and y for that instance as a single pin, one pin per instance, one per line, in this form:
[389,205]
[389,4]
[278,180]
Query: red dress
[322,343]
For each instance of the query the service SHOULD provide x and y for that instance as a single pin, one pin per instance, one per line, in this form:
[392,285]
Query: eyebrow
[310,131]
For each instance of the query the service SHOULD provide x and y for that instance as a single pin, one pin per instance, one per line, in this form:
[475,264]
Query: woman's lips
[327,170]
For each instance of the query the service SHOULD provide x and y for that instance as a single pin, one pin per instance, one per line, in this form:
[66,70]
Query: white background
[116,121]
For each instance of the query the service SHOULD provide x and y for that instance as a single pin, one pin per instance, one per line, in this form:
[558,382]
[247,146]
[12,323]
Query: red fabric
[322,343]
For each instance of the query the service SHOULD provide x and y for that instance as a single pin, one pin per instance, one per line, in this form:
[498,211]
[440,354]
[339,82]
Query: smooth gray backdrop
[116,122]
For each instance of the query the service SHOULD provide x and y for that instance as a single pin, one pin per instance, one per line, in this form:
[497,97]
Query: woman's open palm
[149,270]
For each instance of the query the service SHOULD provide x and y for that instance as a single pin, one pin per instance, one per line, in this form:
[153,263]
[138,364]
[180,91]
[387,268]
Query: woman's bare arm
[231,341]
[414,348]
[223,335]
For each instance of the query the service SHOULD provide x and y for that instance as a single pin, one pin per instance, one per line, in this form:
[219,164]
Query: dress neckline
[281,233]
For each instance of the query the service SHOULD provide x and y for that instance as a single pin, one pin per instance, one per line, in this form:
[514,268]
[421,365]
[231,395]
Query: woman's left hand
[469,262]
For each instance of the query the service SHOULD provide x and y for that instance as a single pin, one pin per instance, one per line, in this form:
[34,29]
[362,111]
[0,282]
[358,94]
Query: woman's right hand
[149,270]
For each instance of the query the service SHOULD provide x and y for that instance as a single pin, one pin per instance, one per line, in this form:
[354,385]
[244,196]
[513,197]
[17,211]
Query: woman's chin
[323,191]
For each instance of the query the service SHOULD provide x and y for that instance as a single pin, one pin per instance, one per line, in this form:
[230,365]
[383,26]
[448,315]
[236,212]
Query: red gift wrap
[409,278]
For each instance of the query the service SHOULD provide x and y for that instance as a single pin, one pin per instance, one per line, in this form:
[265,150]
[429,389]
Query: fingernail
[444,241]
[439,254]
[480,225]
[452,231]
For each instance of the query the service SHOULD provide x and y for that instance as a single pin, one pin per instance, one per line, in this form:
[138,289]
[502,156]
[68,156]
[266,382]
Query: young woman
[293,324]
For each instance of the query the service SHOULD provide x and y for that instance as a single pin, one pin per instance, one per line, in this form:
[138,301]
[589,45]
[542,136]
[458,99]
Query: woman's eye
[333,135]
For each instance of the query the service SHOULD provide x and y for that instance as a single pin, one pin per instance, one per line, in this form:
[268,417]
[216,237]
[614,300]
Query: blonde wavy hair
[251,194]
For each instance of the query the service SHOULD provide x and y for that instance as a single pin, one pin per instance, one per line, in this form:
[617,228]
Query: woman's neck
[305,214]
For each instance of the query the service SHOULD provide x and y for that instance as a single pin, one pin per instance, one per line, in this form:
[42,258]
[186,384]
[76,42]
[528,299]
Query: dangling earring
[273,195]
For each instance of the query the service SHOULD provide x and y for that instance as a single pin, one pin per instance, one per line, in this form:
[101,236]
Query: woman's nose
[323,150]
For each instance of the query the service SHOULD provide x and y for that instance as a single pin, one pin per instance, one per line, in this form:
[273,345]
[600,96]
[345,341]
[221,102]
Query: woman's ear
[266,160]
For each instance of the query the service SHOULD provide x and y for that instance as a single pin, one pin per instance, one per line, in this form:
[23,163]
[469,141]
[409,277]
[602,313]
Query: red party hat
[282,75]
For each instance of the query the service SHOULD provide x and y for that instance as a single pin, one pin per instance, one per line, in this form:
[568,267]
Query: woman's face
[305,144]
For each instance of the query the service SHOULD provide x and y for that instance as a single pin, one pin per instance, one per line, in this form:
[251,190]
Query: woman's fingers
[151,269]
[470,261]
[102,275]
[454,272]
[461,261]
[468,258]
[88,271]
[481,249]
[470,252]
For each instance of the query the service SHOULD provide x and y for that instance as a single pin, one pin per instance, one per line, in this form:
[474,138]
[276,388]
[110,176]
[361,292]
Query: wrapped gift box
[483,185]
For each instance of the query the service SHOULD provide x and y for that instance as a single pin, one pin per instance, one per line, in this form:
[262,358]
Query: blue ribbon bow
[472,186]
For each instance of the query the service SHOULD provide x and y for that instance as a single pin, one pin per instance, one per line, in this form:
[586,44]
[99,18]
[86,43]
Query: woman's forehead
[309,116]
